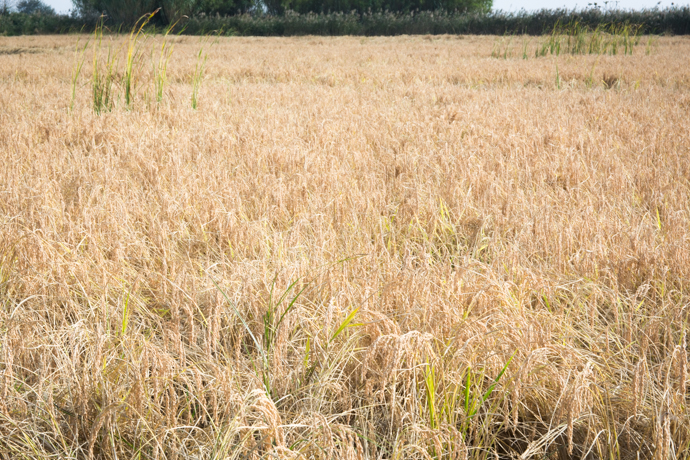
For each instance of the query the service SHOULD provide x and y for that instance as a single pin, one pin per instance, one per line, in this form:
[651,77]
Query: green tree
[34,7]
[119,11]
[223,7]
[129,11]
[6,6]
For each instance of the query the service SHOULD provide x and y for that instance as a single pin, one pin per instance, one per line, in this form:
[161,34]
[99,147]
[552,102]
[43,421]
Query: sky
[63,6]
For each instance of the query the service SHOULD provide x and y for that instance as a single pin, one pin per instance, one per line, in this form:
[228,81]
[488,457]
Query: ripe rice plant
[354,248]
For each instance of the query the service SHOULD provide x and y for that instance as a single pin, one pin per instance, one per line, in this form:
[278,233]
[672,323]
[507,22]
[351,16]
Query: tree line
[263,18]
[128,11]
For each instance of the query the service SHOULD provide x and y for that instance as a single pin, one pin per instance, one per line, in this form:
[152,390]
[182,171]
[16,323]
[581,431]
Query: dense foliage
[656,21]
[404,6]
[671,21]
[128,11]
[29,24]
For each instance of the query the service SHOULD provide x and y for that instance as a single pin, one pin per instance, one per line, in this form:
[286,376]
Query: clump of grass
[590,78]
[198,75]
[611,81]
[103,76]
[651,42]
[133,56]
[502,47]
[525,45]
[160,68]
[577,39]
[272,320]
[558,78]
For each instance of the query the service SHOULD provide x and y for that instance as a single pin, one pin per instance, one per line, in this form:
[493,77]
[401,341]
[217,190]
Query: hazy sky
[508,5]
[61,6]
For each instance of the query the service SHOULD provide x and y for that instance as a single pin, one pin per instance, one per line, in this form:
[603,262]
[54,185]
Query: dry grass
[516,256]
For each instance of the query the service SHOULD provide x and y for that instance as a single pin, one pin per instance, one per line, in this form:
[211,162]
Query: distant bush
[30,24]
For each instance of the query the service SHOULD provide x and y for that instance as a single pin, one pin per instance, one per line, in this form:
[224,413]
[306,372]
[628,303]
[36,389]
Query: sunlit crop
[343,248]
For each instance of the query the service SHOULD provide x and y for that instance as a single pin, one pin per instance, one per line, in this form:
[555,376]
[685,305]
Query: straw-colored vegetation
[352,248]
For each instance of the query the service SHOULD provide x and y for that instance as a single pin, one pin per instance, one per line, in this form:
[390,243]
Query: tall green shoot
[81,56]
[430,386]
[505,52]
[103,73]
[525,44]
[271,319]
[198,75]
[161,67]
[558,77]
[271,322]
[460,404]
[590,79]
[133,55]
[650,44]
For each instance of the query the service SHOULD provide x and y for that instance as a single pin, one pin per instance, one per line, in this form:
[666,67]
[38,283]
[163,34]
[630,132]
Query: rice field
[349,248]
